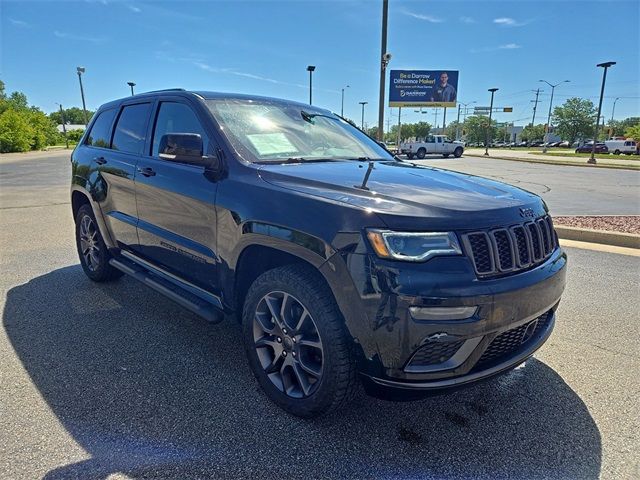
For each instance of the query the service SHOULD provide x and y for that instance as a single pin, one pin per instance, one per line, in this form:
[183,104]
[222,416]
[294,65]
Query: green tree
[633,132]
[75,135]
[477,128]
[44,131]
[574,119]
[73,115]
[421,129]
[452,128]
[532,133]
[619,127]
[16,134]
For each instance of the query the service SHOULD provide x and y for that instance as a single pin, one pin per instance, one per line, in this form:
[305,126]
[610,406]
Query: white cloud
[19,23]
[420,16]
[467,20]
[509,46]
[133,8]
[508,22]
[71,36]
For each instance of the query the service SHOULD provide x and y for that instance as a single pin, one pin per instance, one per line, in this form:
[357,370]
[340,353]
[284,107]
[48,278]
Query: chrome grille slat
[501,251]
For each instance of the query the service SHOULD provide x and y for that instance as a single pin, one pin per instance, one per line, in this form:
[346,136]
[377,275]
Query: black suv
[344,264]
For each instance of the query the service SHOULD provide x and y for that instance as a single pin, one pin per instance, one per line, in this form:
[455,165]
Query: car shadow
[150,390]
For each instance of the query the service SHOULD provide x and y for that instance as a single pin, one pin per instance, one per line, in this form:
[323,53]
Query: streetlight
[613,110]
[384,60]
[131,84]
[486,137]
[605,66]
[64,125]
[80,71]
[465,114]
[310,69]
[362,121]
[342,103]
[553,87]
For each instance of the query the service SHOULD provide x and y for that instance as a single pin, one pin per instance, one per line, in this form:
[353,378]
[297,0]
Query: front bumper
[382,325]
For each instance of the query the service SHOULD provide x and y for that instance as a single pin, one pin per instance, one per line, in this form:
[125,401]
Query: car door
[176,201]
[116,153]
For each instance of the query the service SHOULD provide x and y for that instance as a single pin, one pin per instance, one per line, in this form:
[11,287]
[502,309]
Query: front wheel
[617,152]
[421,153]
[296,342]
[457,152]
[93,253]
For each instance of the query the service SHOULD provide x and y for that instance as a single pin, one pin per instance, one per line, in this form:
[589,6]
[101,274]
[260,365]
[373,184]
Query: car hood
[405,195]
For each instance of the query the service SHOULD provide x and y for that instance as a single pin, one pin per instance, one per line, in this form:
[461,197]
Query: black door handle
[147,171]
[100,160]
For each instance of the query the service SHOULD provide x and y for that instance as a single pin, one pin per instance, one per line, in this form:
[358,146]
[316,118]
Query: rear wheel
[296,342]
[421,153]
[93,253]
[410,156]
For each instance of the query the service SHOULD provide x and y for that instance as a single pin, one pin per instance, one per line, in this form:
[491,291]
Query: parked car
[628,147]
[564,144]
[342,263]
[588,148]
[432,144]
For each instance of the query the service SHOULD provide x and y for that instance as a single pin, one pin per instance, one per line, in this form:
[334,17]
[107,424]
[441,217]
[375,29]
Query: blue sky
[263,47]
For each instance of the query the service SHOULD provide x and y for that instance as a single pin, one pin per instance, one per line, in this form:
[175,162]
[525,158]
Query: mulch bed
[613,223]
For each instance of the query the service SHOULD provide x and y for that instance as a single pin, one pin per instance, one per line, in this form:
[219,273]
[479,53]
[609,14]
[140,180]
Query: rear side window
[101,129]
[131,130]
[176,118]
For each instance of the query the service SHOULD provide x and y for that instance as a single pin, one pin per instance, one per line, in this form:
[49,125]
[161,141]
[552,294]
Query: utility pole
[362,121]
[342,103]
[444,120]
[605,66]
[486,138]
[553,87]
[399,130]
[310,69]
[435,118]
[64,126]
[464,117]
[384,59]
[535,106]
[613,111]
[80,71]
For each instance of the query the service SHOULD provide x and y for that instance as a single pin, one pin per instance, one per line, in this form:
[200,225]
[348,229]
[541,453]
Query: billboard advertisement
[423,88]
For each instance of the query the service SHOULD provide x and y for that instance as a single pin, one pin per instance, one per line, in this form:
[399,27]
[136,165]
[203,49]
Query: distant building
[70,127]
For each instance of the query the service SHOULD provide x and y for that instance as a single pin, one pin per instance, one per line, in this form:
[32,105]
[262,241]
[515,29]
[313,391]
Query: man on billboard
[444,92]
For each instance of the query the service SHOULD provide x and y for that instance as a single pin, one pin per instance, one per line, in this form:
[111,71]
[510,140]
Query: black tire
[421,153]
[93,253]
[445,155]
[457,152]
[336,383]
[617,152]
[410,156]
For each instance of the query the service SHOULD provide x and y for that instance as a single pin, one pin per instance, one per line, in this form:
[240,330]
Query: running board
[170,288]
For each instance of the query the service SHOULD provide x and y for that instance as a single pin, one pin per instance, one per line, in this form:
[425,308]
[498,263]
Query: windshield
[266,131]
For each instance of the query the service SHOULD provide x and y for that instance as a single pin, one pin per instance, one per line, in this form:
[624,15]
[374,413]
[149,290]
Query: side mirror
[181,147]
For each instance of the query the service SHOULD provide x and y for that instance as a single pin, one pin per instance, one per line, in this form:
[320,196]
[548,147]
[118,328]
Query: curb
[618,239]
[552,162]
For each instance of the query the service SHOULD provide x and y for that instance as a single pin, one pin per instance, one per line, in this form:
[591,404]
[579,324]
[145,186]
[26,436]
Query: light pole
[310,69]
[80,71]
[553,87]
[64,125]
[384,59]
[342,103]
[486,137]
[131,84]
[362,121]
[613,110]
[458,121]
[605,66]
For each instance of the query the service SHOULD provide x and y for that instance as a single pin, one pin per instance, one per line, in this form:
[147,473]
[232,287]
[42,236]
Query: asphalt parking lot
[115,381]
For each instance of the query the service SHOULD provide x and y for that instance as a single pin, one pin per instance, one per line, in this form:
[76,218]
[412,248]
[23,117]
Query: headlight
[412,246]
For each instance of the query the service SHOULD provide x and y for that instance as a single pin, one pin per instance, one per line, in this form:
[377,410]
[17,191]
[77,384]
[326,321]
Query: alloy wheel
[89,243]
[288,344]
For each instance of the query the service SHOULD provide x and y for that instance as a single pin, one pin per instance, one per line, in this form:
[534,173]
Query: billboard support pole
[383,68]
[399,130]
[458,123]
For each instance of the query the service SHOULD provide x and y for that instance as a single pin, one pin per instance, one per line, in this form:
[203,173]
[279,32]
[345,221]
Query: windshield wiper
[295,160]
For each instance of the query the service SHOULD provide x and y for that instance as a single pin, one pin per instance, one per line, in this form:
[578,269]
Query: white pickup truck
[433,144]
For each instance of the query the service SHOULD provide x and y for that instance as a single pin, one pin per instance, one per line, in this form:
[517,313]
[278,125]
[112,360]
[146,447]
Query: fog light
[442,313]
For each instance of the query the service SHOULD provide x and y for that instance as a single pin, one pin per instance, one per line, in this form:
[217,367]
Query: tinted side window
[176,118]
[131,129]
[100,131]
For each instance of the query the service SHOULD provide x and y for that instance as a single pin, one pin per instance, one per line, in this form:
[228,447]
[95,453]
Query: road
[116,381]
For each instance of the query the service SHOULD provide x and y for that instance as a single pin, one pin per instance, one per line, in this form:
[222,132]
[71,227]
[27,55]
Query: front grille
[508,342]
[508,250]
[433,353]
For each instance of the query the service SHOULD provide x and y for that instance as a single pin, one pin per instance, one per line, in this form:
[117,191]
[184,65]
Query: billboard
[423,88]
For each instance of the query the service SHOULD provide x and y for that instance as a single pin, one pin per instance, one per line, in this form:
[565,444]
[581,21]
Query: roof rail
[167,90]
